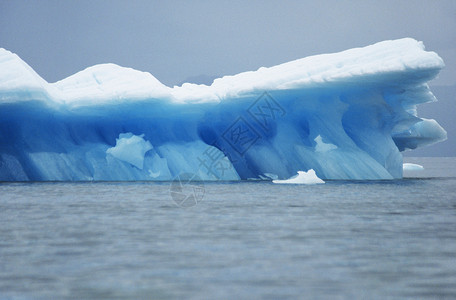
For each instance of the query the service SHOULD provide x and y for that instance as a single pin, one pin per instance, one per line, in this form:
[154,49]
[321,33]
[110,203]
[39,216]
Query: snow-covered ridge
[380,63]
[18,80]
[109,82]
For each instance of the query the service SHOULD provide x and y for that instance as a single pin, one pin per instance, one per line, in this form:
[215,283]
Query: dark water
[249,240]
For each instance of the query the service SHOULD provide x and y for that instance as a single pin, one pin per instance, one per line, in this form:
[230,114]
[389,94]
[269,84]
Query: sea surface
[237,240]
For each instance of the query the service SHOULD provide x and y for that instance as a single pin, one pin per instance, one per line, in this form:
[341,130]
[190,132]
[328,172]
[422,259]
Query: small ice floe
[412,167]
[308,177]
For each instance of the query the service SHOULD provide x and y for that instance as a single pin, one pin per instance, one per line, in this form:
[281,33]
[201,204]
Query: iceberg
[345,115]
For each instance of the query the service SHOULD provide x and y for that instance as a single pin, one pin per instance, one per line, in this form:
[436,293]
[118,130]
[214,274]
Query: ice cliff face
[346,115]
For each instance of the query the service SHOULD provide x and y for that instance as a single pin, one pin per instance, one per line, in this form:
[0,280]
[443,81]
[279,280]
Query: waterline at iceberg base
[347,115]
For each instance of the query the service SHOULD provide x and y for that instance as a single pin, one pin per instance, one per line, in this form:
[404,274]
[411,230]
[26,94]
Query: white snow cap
[17,77]
[380,63]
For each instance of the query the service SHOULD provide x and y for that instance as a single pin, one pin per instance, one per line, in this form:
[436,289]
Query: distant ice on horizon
[412,167]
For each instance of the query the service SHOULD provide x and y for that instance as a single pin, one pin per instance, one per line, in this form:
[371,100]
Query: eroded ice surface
[346,115]
[131,148]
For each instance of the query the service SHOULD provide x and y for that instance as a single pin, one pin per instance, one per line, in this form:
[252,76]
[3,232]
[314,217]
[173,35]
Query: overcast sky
[177,40]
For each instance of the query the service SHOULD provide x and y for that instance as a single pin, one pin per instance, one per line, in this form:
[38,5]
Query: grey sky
[175,40]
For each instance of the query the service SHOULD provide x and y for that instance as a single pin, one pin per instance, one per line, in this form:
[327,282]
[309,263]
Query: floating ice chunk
[130,148]
[322,146]
[412,167]
[308,177]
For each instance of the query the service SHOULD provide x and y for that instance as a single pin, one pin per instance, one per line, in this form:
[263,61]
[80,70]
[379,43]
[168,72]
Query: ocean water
[244,240]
